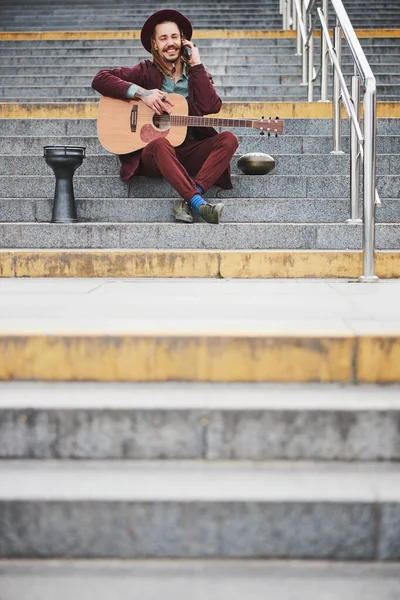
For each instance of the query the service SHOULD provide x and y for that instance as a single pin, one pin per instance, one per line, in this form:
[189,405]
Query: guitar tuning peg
[262,132]
[262,117]
[269,134]
[277,118]
[276,135]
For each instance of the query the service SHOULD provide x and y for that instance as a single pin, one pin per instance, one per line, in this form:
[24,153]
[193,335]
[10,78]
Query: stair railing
[302,15]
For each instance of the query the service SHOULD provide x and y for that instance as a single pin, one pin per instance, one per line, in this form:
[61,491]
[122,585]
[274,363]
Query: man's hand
[195,57]
[155,99]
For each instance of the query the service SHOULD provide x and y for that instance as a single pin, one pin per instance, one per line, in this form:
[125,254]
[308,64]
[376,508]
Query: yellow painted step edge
[234,110]
[213,357]
[134,34]
[245,264]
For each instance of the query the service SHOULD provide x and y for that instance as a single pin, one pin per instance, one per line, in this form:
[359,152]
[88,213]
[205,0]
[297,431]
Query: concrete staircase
[210,471]
[191,470]
[255,69]
[302,205]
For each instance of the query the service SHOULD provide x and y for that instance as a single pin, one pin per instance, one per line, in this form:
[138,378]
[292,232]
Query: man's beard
[171,59]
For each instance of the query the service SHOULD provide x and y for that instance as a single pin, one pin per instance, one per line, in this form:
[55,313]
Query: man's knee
[160,144]
[229,140]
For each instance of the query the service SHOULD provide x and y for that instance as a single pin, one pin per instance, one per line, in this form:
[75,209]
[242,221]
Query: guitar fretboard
[189,121]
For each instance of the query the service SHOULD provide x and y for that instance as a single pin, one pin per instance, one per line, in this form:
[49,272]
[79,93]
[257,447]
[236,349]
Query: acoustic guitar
[127,125]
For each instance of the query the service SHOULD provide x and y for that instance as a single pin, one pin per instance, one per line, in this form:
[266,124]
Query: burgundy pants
[205,161]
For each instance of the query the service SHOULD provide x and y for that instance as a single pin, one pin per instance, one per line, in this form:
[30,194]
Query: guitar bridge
[134,113]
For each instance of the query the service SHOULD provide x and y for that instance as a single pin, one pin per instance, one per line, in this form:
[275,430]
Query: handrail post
[299,44]
[305,47]
[355,155]
[310,62]
[324,57]
[337,117]
[369,181]
[294,16]
[285,15]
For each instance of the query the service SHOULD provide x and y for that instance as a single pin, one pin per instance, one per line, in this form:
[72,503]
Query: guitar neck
[190,121]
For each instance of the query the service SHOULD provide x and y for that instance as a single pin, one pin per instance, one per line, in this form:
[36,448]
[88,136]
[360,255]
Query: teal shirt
[168,86]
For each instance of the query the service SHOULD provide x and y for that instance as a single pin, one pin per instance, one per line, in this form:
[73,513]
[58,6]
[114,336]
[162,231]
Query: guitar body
[124,126]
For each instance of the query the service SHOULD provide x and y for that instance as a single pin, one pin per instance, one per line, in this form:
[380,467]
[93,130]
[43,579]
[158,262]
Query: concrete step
[222,44]
[85,12]
[88,71]
[207,51]
[212,578]
[202,42]
[245,79]
[301,97]
[305,236]
[285,165]
[167,421]
[237,210]
[302,164]
[148,210]
[73,25]
[268,331]
[135,54]
[186,509]
[179,264]
[121,58]
[253,92]
[266,22]
[296,144]
[82,22]
[39,128]
[294,98]
[244,186]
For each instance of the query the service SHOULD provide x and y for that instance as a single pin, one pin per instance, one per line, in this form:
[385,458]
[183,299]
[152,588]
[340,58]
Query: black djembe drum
[64,160]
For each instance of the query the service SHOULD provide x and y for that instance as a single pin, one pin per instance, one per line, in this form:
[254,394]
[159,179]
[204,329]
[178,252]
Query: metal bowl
[256,163]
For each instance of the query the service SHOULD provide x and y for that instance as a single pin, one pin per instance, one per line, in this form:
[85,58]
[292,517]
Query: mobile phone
[186,52]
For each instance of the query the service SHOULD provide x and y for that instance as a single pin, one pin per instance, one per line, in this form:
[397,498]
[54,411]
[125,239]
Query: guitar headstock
[269,126]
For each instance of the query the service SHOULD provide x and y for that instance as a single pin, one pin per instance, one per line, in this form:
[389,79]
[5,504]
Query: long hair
[158,60]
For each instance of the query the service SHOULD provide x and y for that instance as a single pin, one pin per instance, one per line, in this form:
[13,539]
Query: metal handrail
[362,144]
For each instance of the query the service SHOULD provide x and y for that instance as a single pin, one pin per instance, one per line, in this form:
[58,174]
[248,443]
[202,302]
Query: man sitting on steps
[203,158]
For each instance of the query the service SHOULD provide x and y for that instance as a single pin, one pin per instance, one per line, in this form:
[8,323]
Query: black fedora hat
[159,17]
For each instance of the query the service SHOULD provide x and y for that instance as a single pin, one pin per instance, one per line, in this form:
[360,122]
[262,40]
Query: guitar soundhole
[162,122]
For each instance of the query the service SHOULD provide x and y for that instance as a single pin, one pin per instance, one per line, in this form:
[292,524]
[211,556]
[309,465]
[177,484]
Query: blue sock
[197,201]
[200,189]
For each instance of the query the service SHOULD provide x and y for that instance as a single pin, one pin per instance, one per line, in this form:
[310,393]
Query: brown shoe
[182,212]
[211,212]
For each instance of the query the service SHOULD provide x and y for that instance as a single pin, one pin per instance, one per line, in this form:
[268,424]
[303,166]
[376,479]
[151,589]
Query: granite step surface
[286,186]
[304,164]
[207,51]
[306,236]
[243,91]
[215,579]
[88,71]
[199,509]
[167,421]
[278,186]
[160,210]
[122,58]
[39,128]
[220,81]
[229,43]
[237,210]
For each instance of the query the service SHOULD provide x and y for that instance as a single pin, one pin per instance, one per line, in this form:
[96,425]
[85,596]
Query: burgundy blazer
[202,100]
